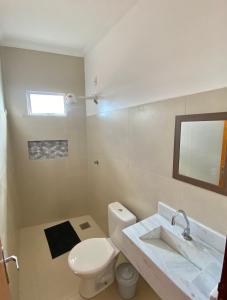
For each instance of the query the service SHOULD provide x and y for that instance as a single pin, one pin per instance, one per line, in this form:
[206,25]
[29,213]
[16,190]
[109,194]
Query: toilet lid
[90,255]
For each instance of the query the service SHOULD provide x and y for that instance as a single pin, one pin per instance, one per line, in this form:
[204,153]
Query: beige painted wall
[9,222]
[135,149]
[49,189]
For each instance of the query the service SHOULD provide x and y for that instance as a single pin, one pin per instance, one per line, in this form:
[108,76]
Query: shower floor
[44,278]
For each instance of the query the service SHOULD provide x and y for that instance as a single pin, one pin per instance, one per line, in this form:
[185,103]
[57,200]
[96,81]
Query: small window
[46,104]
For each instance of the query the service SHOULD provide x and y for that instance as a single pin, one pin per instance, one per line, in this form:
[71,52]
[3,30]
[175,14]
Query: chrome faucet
[186,232]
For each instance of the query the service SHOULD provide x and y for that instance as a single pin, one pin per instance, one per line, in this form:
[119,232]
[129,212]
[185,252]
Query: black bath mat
[61,238]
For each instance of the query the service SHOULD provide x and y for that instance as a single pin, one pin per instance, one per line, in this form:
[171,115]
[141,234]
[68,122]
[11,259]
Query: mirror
[200,150]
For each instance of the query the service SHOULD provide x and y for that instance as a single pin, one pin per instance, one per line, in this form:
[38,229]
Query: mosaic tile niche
[50,149]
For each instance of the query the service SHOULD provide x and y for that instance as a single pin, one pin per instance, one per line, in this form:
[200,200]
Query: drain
[85,225]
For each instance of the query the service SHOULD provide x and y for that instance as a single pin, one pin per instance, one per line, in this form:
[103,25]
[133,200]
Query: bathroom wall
[134,147]
[3,160]
[9,219]
[49,189]
[159,50]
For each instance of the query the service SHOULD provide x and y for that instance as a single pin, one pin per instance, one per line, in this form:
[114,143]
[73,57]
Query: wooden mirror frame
[176,155]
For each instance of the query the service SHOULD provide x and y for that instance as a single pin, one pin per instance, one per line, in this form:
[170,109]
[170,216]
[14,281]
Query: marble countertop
[194,266]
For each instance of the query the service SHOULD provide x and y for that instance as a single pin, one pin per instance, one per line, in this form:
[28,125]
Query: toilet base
[90,287]
[87,290]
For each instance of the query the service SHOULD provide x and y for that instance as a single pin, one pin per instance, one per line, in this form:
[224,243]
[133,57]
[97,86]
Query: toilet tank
[119,217]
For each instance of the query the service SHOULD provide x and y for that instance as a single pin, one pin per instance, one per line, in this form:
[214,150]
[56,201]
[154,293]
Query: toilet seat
[91,255]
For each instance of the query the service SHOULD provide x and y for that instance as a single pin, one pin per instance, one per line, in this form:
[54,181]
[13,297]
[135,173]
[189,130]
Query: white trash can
[127,278]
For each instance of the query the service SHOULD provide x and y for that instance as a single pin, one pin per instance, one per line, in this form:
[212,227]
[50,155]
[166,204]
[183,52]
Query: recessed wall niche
[47,149]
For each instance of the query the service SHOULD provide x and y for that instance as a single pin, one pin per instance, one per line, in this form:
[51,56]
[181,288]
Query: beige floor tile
[44,278]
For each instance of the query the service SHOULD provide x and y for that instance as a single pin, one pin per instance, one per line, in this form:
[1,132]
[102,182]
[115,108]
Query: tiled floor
[44,278]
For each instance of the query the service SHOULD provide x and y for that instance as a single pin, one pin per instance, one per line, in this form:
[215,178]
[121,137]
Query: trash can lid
[127,273]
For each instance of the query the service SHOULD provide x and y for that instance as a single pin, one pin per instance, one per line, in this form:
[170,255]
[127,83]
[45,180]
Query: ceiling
[61,26]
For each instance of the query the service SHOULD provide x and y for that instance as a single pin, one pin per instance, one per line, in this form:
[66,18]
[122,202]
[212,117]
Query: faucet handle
[186,232]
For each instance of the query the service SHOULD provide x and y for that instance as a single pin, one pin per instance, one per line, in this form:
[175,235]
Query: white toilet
[93,260]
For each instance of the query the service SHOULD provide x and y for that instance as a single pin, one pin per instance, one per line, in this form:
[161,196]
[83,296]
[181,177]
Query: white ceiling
[61,26]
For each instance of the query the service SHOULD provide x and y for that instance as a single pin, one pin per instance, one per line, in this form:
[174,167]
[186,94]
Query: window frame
[29,108]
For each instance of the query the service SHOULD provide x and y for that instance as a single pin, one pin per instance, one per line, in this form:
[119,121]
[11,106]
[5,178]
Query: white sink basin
[192,261]
[167,244]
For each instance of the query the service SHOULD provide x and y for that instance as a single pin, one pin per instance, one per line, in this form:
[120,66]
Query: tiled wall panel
[52,149]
